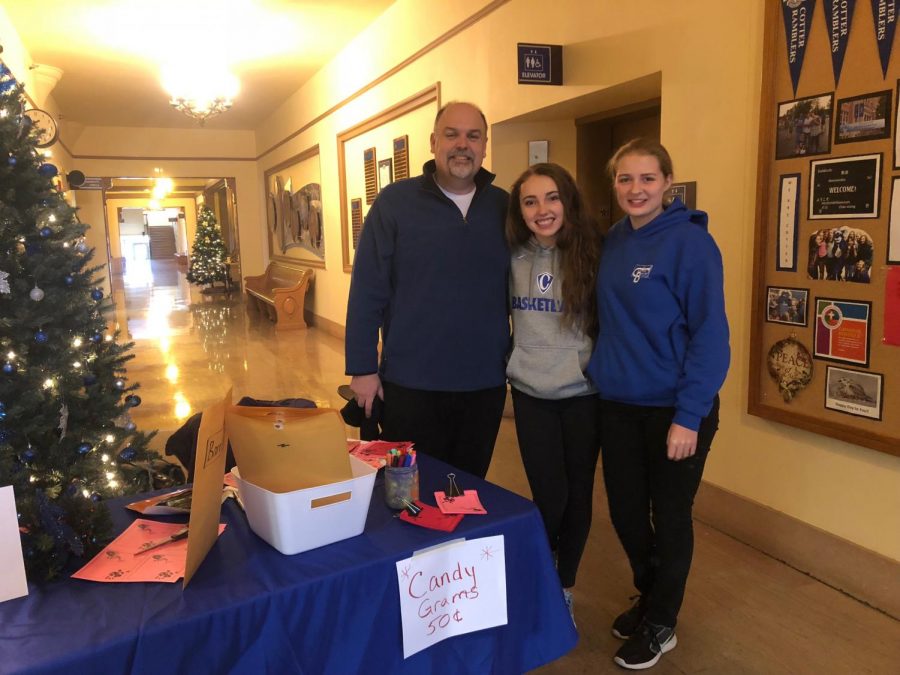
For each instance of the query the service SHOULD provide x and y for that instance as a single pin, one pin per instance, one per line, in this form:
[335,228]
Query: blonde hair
[642,146]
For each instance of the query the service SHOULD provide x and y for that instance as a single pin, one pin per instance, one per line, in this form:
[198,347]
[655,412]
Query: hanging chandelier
[200,93]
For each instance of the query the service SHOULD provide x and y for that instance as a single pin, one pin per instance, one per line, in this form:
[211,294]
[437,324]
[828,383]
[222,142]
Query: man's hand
[682,442]
[366,388]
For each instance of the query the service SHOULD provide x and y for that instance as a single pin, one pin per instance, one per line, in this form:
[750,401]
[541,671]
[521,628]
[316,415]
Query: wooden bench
[280,293]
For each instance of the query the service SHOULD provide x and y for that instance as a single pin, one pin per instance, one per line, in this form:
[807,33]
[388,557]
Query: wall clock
[47,131]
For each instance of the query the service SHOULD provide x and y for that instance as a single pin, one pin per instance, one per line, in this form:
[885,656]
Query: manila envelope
[286,449]
[209,469]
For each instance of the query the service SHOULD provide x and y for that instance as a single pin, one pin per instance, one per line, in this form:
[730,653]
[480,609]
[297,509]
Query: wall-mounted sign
[540,64]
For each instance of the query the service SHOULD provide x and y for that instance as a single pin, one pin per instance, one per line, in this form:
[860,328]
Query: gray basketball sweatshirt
[548,359]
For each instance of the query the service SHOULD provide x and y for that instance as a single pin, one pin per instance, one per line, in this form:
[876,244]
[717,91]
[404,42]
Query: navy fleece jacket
[435,284]
[663,332]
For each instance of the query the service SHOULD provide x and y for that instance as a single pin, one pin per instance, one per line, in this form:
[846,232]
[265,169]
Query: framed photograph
[538,152]
[788,223]
[385,173]
[686,192]
[893,248]
[841,254]
[787,305]
[845,187]
[863,118]
[896,123]
[842,331]
[854,392]
[804,127]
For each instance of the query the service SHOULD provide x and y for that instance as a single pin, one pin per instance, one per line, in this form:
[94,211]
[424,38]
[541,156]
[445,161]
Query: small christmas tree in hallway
[67,440]
[208,254]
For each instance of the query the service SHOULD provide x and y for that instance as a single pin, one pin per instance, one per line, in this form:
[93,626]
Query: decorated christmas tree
[208,254]
[67,440]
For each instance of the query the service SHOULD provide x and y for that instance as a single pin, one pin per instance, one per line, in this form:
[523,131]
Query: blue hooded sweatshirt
[663,332]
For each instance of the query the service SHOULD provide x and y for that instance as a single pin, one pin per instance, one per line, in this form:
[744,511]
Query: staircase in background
[162,242]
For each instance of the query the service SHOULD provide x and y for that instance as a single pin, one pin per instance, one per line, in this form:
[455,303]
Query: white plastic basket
[301,520]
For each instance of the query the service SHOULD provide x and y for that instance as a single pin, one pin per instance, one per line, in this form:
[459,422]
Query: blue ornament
[95,497]
[2,414]
[8,86]
[132,400]
[11,161]
[84,448]
[131,426]
[47,170]
[2,405]
[69,279]
[28,455]
[41,337]
[46,232]
[72,490]
[96,337]
[128,454]
[89,380]
[9,368]
[5,436]
[97,294]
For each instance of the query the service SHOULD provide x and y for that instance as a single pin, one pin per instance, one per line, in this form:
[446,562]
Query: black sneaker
[628,621]
[644,648]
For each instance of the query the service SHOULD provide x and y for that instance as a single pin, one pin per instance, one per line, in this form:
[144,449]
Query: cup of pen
[401,485]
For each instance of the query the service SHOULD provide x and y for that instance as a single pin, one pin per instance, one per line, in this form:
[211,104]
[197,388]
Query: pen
[175,536]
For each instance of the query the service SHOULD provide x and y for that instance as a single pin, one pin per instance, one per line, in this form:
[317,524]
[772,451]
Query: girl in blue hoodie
[660,358]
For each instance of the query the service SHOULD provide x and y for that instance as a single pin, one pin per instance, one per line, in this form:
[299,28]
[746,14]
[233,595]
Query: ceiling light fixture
[200,93]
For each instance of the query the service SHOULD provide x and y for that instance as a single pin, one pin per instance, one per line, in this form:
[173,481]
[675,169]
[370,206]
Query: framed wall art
[863,118]
[845,187]
[827,230]
[854,392]
[400,136]
[296,231]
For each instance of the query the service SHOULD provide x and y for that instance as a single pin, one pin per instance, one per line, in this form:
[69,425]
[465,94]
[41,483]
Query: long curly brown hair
[579,242]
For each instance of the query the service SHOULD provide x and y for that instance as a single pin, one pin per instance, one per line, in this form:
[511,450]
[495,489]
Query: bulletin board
[392,145]
[295,226]
[825,329]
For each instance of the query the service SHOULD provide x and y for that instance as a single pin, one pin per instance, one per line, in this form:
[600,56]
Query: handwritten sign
[452,590]
[12,578]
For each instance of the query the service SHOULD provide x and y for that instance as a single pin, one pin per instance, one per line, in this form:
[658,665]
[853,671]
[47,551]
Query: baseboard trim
[323,324]
[860,573]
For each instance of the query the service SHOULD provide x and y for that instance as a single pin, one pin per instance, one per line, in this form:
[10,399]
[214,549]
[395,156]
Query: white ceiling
[110,51]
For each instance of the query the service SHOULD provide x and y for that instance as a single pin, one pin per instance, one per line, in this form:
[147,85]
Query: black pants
[560,441]
[457,427]
[651,499]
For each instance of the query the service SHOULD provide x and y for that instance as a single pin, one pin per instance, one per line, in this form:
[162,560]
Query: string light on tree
[58,384]
[208,253]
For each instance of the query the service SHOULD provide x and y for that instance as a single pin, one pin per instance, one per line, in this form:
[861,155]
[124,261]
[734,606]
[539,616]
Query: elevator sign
[540,64]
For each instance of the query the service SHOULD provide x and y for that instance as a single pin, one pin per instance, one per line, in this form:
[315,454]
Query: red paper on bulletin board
[892,307]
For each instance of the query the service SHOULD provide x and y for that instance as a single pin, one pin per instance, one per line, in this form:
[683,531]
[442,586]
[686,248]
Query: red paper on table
[467,503]
[431,518]
[118,562]
[892,306]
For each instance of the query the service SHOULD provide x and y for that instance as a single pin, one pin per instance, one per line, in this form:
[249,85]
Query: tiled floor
[744,612]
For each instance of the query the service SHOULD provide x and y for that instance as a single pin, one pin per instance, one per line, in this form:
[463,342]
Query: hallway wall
[709,55]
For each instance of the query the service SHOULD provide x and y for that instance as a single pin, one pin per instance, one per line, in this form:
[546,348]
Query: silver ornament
[36,294]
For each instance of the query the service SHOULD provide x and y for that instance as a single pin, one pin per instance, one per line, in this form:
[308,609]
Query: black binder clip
[452,490]
[411,508]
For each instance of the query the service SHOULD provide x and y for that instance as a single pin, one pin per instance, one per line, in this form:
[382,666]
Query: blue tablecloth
[250,609]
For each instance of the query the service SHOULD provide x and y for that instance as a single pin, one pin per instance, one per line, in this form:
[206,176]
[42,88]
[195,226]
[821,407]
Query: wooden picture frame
[295,221]
[862,73]
[427,100]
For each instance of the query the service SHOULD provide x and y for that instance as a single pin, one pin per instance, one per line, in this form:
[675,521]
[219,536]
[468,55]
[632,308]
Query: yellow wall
[709,55]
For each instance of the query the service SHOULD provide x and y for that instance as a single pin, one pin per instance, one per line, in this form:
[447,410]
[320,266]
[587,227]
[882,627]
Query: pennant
[884,12]
[797,23]
[838,16]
